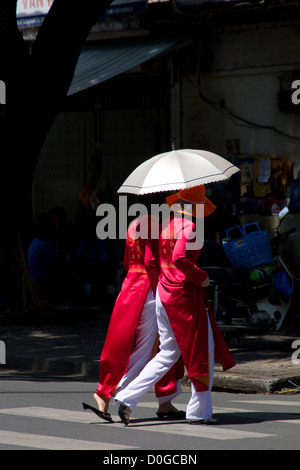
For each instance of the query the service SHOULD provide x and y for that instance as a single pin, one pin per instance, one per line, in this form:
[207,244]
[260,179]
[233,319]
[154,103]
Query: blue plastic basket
[251,249]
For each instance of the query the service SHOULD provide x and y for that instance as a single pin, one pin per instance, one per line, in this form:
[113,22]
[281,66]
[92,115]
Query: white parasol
[178,169]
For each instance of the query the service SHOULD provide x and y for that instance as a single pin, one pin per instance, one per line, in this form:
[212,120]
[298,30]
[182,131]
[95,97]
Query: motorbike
[252,300]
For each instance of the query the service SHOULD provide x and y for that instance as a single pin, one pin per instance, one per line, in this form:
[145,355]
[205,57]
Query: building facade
[219,76]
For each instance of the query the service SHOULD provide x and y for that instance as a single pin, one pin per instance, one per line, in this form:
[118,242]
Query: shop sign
[126,7]
[187,4]
[32,12]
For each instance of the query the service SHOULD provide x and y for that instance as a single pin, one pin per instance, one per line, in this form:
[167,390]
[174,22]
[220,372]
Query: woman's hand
[205,283]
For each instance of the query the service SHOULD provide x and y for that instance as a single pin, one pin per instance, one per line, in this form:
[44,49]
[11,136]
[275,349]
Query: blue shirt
[41,258]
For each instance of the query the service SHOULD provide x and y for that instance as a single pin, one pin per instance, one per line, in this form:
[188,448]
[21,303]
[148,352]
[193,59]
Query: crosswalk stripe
[209,432]
[225,410]
[154,405]
[289,421]
[181,428]
[51,413]
[200,431]
[37,441]
[232,410]
[269,402]
[181,406]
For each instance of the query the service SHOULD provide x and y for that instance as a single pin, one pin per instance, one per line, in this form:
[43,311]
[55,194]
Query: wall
[60,172]
[119,123]
[241,78]
[233,95]
[130,136]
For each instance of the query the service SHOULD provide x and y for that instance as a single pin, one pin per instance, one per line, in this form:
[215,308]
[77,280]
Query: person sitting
[67,239]
[43,261]
[93,263]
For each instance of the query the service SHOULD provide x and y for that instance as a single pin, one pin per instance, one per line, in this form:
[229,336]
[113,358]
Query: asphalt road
[46,414]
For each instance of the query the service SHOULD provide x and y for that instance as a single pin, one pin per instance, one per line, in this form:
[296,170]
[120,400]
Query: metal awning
[102,62]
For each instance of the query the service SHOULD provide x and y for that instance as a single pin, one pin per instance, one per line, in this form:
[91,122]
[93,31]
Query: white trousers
[145,338]
[200,405]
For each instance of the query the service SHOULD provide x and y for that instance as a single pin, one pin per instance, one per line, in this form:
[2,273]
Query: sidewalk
[68,345]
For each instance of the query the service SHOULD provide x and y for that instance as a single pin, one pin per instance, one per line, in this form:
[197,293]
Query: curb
[238,384]
[223,382]
[52,366]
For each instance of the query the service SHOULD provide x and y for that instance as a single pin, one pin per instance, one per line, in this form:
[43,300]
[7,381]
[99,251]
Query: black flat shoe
[100,414]
[124,413]
[171,415]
